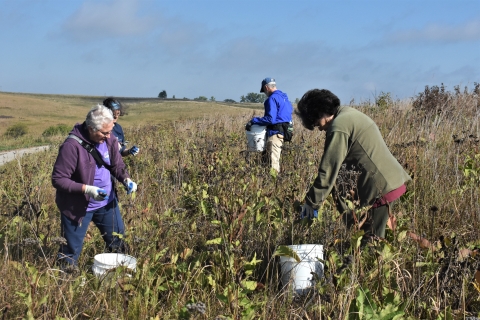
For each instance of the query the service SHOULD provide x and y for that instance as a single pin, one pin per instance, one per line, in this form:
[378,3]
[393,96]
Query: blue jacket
[118,133]
[277,110]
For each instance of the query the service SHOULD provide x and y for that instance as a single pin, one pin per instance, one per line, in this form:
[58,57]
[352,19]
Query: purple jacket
[75,167]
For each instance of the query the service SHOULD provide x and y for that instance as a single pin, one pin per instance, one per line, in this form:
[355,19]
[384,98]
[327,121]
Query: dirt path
[8,156]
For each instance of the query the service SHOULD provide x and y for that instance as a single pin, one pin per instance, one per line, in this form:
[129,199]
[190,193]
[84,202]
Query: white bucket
[256,138]
[107,261]
[298,275]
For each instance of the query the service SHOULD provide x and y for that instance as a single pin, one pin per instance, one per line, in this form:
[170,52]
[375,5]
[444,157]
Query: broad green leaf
[286,251]
[119,235]
[211,281]
[249,285]
[387,252]
[401,235]
[214,241]
[204,207]
[357,238]
[422,264]
[273,173]
[223,298]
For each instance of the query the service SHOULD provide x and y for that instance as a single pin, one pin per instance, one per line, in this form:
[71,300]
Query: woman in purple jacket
[84,186]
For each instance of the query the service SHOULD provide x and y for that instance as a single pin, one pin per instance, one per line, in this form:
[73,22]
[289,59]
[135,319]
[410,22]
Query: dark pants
[107,219]
[375,223]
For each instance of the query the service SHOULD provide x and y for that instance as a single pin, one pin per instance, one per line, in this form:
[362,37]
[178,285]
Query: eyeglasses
[105,133]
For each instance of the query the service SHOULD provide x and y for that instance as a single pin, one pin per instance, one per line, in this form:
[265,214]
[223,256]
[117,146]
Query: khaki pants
[274,150]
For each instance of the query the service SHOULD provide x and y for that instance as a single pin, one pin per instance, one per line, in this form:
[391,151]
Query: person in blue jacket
[278,113]
[117,110]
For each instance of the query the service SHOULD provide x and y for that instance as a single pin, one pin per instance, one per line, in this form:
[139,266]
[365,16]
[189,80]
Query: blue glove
[248,126]
[130,186]
[308,212]
[96,193]
[134,150]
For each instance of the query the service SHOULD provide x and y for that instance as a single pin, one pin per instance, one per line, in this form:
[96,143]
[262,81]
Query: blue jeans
[107,219]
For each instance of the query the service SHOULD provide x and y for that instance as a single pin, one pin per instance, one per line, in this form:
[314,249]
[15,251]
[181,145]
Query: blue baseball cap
[112,104]
[265,82]
[115,105]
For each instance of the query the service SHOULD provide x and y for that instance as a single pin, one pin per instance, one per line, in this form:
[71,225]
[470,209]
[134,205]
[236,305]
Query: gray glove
[130,186]
[134,150]
[96,193]
[308,212]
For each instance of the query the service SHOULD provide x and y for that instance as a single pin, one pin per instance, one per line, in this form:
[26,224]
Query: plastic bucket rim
[124,260]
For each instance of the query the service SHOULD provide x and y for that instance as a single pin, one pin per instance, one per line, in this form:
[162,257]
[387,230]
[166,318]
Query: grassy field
[208,221]
[39,112]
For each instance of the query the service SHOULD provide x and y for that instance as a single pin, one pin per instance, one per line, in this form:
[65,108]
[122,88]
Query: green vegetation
[16,131]
[208,218]
[162,94]
[39,113]
[59,129]
[384,100]
[253,97]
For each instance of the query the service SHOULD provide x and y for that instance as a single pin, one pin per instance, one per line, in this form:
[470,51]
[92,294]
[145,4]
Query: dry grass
[205,213]
[41,111]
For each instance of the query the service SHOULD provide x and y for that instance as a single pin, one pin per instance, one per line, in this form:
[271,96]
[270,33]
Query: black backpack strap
[285,129]
[277,127]
[90,149]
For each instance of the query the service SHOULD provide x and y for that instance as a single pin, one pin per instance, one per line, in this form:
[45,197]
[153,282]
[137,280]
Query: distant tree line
[251,97]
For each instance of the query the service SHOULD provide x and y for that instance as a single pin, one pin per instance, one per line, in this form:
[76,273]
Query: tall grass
[208,216]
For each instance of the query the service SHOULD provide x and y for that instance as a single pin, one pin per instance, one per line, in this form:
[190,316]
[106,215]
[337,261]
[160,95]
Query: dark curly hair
[113,104]
[315,104]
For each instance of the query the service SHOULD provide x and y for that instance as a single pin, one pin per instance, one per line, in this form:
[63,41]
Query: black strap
[92,150]
[277,127]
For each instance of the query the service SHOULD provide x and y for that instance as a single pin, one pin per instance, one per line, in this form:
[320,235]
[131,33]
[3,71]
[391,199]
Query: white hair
[98,116]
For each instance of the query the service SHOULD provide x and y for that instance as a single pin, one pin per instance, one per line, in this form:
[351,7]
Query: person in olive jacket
[84,190]
[353,146]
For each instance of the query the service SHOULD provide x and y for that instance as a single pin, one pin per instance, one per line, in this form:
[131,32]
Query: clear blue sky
[224,49]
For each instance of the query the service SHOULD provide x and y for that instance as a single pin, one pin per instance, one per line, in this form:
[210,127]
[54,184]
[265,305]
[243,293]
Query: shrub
[16,130]
[432,99]
[162,94]
[384,100]
[437,99]
[59,129]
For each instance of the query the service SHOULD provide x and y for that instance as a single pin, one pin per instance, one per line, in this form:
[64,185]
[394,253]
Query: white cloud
[469,31]
[118,18]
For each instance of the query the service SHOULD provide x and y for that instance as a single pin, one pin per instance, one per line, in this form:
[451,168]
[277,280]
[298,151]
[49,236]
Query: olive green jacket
[354,140]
